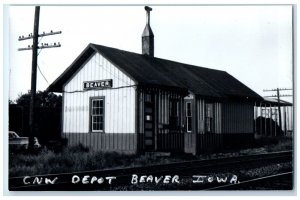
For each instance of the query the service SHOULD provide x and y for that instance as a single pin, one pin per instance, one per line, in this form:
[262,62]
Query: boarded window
[188,115]
[97,115]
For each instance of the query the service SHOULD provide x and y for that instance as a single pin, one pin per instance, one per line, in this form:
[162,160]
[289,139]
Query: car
[17,142]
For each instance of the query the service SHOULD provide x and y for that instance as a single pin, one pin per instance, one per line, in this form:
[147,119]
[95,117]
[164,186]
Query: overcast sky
[252,43]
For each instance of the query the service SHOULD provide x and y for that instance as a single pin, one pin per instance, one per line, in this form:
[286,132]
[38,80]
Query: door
[149,114]
[174,124]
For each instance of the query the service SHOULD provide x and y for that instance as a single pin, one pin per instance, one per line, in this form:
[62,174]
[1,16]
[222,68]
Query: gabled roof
[152,71]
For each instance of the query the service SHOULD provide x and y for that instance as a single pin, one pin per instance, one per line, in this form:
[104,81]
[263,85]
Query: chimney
[148,36]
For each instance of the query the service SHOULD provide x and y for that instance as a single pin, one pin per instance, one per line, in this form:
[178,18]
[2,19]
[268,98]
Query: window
[209,118]
[188,115]
[97,115]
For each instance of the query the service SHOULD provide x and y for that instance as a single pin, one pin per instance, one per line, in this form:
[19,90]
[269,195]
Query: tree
[11,102]
[47,111]
[43,99]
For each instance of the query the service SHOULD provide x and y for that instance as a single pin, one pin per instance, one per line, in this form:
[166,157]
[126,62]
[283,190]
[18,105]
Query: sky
[252,43]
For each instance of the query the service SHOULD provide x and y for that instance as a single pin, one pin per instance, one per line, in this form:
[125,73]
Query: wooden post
[194,111]
[137,119]
[266,119]
[33,77]
[271,119]
[284,120]
[260,124]
[279,110]
[275,122]
[255,113]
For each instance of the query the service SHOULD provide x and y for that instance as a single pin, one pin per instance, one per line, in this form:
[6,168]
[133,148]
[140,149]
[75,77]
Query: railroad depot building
[115,100]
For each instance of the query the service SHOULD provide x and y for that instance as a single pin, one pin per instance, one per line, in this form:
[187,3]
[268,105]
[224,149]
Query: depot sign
[101,84]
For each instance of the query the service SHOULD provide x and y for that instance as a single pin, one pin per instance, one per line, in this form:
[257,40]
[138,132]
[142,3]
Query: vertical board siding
[218,118]
[237,117]
[168,140]
[217,115]
[119,106]
[208,142]
[165,139]
[198,141]
[119,103]
[105,142]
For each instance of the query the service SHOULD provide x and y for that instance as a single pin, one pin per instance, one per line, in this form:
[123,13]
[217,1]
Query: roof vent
[148,36]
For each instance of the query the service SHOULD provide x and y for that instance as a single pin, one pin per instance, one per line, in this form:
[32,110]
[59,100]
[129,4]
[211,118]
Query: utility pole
[33,76]
[278,101]
[35,46]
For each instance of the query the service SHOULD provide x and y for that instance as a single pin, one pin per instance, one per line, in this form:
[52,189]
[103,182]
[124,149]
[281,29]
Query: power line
[31,36]
[42,73]
[281,95]
[43,46]
[111,73]
[275,90]
[116,88]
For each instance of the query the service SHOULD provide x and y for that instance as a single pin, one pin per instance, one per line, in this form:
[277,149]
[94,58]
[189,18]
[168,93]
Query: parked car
[17,142]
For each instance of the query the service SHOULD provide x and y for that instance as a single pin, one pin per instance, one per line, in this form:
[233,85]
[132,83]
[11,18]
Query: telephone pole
[35,46]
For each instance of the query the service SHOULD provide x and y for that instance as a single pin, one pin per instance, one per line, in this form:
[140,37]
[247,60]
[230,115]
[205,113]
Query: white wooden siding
[119,103]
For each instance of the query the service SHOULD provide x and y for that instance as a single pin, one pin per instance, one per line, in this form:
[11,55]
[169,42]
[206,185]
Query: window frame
[210,118]
[91,115]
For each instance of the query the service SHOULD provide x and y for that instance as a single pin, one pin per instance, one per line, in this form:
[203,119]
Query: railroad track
[281,181]
[63,181]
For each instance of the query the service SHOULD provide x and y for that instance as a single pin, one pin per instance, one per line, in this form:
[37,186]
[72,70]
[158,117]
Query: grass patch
[72,159]
[80,158]
[273,144]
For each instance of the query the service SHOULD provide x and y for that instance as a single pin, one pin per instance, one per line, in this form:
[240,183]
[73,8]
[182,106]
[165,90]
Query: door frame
[152,118]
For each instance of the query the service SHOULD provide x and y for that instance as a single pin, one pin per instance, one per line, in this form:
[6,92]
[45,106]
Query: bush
[57,145]
[77,149]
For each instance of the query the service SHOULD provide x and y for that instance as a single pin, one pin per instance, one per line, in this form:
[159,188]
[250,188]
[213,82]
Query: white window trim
[91,114]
